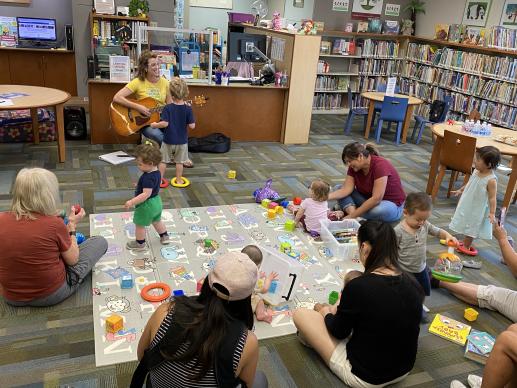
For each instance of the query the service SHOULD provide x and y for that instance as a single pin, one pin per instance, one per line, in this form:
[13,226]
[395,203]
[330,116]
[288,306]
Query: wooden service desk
[505,149]
[241,111]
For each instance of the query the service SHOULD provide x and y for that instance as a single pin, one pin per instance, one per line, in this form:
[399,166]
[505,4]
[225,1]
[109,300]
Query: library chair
[393,110]
[421,121]
[457,154]
[378,105]
[352,112]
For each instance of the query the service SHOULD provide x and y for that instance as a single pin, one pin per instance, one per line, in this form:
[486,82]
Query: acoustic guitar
[127,121]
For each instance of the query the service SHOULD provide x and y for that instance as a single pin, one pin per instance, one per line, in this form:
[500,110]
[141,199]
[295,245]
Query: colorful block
[284,204]
[208,243]
[178,293]
[271,213]
[265,203]
[279,210]
[126,281]
[470,314]
[272,205]
[290,226]
[232,174]
[297,201]
[285,246]
[333,297]
[114,323]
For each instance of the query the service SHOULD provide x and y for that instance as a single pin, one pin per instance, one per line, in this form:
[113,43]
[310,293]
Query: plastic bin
[345,251]
[237,17]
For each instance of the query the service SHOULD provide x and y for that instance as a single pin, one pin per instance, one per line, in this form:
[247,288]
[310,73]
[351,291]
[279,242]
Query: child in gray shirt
[412,234]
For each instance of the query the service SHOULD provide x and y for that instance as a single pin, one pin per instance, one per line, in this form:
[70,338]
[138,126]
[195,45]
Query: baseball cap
[237,273]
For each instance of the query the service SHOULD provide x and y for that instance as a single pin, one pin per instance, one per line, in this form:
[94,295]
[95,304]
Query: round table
[481,141]
[379,97]
[39,97]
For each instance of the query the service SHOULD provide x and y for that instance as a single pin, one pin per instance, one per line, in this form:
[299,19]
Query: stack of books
[479,346]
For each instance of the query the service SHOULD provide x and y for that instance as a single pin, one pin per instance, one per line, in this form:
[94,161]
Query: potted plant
[138,8]
[415,6]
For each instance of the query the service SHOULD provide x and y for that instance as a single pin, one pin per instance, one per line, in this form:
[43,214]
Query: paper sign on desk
[119,68]
[390,87]
[6,102]
[12,95]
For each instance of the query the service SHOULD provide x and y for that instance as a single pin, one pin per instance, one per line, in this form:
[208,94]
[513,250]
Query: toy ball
[79,237]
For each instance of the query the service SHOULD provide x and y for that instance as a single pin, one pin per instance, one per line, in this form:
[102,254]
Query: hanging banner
[364,9]
[392,9]
[340,5]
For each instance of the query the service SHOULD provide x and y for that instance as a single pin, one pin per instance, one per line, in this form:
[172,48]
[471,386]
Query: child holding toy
[147,202]
[257,304]
[412,234]
[475,213]
[175,118]
[315,208]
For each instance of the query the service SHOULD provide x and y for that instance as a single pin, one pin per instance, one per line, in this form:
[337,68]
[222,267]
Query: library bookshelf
[360,61]
[476,77]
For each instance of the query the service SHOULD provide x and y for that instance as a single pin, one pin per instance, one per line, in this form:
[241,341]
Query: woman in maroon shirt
[372,188]
[41,263]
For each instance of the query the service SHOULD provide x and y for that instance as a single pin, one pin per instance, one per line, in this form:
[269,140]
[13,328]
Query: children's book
[117,157]
[484,342]
[450,329]
[441,31]
[474,36]
[391,27]
[472,353]
[456,33]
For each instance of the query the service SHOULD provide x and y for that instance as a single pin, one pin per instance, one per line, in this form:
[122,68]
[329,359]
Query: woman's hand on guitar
[145,111]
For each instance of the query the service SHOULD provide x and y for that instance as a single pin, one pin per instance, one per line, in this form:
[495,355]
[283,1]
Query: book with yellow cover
[450,329]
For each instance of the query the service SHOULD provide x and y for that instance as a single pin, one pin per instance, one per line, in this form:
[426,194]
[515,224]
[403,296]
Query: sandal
[471,264]
[471,251]
[188,164]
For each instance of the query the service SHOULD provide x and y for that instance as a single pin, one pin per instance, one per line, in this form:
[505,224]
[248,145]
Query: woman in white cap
[205,340]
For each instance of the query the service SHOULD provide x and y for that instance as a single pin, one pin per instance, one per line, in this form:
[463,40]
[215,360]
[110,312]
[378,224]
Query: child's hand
[272,276]
[153,125]
[128,204]
[456,193]
[492,219]
[453,239]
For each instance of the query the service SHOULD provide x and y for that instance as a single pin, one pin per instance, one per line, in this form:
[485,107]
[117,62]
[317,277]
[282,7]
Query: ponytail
[353,150]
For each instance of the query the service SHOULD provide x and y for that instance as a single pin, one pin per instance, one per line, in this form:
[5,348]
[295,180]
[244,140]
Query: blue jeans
[423,279]
[155,134]
[386,211]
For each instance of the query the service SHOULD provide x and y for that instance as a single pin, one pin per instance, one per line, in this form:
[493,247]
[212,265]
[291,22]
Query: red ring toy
[155,298]
[164,183]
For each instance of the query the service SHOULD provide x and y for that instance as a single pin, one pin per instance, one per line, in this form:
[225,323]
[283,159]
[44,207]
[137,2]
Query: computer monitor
[241,47]
[36,29]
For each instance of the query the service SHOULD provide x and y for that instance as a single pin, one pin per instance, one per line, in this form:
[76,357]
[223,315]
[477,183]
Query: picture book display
[441,31]
[450,329]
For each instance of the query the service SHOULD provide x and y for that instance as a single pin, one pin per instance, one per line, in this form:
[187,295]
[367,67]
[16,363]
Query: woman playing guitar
[148,83]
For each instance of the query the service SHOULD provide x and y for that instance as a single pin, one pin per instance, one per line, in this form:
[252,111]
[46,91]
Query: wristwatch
[72,233]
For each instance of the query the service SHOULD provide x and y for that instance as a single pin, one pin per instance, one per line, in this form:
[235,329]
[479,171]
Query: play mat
[198,237]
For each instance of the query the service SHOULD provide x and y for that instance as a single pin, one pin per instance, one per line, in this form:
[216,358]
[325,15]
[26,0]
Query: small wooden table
[505,149]
[379,97]
[39,97]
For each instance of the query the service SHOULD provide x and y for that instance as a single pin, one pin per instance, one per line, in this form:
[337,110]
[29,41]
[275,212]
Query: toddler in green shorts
[147,202]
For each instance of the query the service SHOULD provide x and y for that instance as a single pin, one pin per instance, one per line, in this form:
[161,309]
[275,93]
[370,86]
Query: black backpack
[436,111]
[214,143]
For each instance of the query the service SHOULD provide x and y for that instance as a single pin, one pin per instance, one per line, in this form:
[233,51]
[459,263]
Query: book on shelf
[375,26]
[450,329]
[474,36]
[362,27]
[456,33]
[390,27]
[343,47]
[325,47]
[441,31]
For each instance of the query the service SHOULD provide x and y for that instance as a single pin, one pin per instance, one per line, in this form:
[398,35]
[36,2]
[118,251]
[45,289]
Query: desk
[379,97]
[39,97]
[241,111]
[505,149]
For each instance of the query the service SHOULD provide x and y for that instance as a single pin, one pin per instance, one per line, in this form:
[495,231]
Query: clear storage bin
[339,250]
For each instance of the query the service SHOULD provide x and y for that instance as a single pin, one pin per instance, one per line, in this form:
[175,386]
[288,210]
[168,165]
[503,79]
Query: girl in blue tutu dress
[475,212]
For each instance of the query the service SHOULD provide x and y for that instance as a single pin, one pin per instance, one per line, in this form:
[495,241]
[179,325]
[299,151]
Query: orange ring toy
[155,298]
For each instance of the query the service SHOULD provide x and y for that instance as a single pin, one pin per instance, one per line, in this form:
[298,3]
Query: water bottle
[489,129]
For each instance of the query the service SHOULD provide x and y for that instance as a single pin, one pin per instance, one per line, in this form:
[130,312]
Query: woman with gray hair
[41,263]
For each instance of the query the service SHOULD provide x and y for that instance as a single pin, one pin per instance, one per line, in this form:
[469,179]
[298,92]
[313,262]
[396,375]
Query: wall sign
[392,9]
[340,5]
[476,12]
[364,9]
[509,16]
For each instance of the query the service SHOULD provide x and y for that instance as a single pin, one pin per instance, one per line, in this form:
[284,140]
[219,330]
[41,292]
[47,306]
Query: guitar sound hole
[141,120]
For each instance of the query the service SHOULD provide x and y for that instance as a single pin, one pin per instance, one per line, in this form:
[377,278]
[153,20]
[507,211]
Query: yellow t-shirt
[142,89]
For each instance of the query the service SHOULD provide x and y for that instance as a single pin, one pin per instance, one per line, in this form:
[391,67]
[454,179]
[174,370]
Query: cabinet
[49,68]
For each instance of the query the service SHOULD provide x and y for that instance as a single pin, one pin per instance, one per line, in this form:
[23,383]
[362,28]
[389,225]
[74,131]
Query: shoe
[472,264]
[474,381]
[188,164]
[457,384]
[425,317]
[135,246]
[165,239]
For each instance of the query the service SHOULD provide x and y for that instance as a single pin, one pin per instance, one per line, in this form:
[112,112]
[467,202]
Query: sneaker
[425,317]
[136,246]
[471,264]
[165,239]
[457,384]
[474,381]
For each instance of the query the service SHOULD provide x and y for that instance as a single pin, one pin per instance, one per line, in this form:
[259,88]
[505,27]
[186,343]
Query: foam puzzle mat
[187,259]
